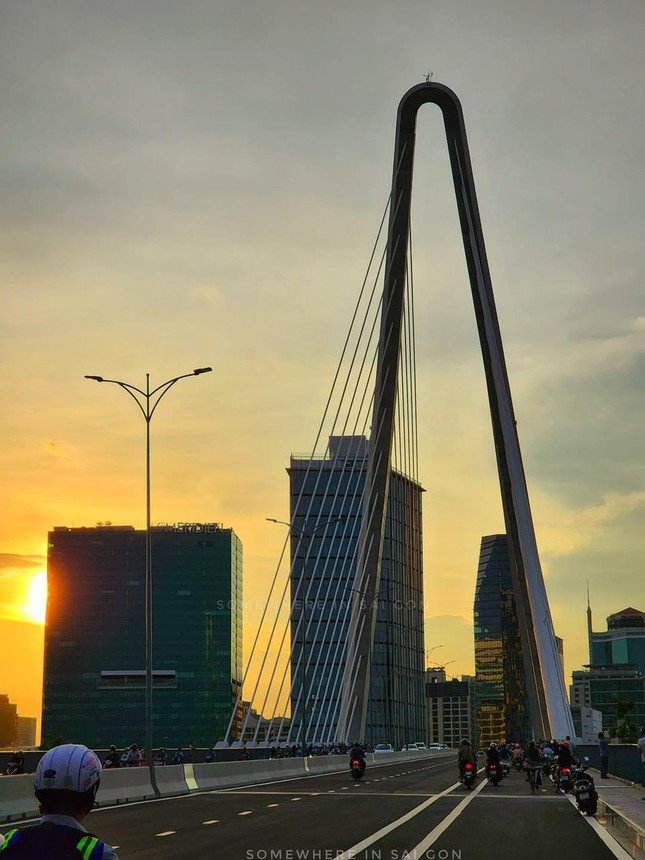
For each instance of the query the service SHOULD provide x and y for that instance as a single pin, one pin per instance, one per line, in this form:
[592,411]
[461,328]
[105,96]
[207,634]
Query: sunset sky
[199,183]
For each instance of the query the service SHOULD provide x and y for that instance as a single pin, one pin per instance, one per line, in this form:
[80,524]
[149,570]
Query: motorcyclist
[465,756]
[357,753]
[517,756]
[533,758]
[178,757]
[505,755]
[112,759]
[132,756]
[492,757]
[16,763]
[160,757]
[210,755]
[66,782]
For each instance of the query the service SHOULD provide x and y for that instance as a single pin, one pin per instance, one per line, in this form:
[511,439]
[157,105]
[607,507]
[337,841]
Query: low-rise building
[450,706]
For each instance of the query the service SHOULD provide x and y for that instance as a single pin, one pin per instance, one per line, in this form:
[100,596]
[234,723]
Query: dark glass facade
[604,687]
[333,487]
[500,688]
[95,634]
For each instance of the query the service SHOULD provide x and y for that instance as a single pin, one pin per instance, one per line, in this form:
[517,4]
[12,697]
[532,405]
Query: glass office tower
[326,563]
[500,688]
[94,678]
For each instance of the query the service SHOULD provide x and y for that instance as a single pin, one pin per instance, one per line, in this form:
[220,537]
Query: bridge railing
[624,759]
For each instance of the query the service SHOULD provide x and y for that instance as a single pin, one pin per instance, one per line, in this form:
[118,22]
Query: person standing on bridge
[603,748]
[66,782]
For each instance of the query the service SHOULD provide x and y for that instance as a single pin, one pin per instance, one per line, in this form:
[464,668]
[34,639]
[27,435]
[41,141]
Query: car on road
[384,748]
[420,745]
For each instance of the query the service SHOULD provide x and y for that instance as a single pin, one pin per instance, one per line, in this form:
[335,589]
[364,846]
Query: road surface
[398,812]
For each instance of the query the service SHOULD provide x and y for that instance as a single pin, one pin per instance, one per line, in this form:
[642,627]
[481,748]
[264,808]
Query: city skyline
[152,244]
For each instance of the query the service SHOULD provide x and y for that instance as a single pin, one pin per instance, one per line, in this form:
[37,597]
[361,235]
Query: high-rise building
[500,687]
[449,708]
[94,679]
[26,736]
[8,721]
[622,642]
[325,561]
[604,687]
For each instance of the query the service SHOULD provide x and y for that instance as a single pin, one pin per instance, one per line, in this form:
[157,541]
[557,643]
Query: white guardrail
[124,785]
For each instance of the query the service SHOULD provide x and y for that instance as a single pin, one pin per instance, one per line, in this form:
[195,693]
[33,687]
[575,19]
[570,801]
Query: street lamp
[308,537]
[148,406]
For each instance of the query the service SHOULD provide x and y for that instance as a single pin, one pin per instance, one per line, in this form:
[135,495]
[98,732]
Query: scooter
[506,767]
[356,769]
[494,774]
[469,775]
[585,790]
[565,782]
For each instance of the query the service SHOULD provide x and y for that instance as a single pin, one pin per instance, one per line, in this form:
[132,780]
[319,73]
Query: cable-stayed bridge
[346,641]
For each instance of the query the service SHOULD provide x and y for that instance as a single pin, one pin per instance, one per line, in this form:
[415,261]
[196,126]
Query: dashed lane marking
[293,799]
[212,821]
[246,812]
[271,805]
[166,833]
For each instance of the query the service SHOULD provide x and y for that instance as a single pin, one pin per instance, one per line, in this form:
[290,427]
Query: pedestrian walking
[603,747]
[640,743]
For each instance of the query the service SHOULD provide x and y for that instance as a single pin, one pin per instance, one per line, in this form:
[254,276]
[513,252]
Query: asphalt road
[414,809]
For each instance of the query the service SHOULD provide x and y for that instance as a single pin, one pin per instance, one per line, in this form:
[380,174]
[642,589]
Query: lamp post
[307,537]
[147,403]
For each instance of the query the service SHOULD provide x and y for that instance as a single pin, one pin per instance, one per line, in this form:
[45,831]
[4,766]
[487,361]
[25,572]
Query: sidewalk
[623,807]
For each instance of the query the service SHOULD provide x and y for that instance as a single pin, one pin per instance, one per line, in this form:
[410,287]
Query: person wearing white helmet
[66,782]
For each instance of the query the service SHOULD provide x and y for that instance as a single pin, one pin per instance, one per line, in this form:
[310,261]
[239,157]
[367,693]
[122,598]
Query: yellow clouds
[562,530]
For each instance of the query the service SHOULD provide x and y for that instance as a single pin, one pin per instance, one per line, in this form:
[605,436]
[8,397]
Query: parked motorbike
[585,790]
[469,775]
[356,769]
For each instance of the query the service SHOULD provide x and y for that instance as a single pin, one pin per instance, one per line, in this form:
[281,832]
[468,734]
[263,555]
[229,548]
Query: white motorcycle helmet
[70,767]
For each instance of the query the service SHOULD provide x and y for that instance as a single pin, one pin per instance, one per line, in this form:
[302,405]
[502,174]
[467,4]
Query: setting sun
[37,600]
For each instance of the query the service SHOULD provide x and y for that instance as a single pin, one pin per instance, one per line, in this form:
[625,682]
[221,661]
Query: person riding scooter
[465,756]
[492,757]
[112,759]
[357,752]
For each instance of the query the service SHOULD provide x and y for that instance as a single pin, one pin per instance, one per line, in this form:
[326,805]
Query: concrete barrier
[17,798]
[123,784]
[171,780]
[229,774]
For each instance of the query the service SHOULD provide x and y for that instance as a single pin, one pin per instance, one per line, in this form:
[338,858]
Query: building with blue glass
[324,568]
[94,672]
[622,643]
[501,705]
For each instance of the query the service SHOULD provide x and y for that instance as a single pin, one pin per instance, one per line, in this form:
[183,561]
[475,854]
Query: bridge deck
[395,809]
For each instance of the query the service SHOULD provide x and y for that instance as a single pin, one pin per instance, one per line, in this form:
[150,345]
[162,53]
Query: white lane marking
[436,832]
[369,840]
[293,799]
[166,833]
[246,812]
[211,821]
[271,805]
[615,847]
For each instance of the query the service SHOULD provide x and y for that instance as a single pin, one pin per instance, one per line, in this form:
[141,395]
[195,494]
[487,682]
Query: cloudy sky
[199,182]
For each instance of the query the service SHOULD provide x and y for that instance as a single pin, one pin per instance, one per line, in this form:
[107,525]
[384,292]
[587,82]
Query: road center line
[436,832]
[369,840]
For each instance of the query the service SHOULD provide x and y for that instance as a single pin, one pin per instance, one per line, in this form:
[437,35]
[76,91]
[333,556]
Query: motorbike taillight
[354,762]
[469,767]
[565,770]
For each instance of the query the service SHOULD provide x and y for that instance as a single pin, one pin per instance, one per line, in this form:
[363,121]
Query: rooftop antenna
[428,76]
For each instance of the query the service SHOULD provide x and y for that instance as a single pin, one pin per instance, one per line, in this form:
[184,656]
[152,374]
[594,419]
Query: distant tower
[589,628]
